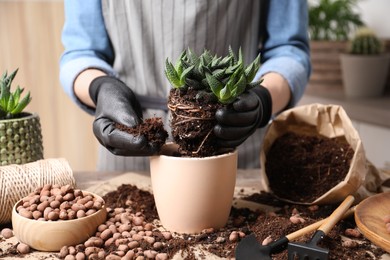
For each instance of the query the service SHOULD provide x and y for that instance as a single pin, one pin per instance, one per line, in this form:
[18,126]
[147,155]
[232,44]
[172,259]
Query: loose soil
[151,128]
[262,224]
[329,158]
[302,167]
[275,224]
[192,122]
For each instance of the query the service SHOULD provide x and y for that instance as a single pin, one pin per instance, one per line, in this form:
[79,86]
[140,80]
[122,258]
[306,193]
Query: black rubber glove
[238,121]
[116,103]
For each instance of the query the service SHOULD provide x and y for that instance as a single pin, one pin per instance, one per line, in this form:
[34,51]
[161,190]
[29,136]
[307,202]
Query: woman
[113,65]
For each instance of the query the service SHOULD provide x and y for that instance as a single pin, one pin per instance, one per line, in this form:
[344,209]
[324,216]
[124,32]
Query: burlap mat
[17,181]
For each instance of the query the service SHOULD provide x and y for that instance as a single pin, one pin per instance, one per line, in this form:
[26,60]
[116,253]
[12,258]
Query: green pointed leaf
[236,74]
[252,69]
[219,74]
[17,94]
[240,58]
[215,85]
[171,74]
[184,74]
[11,103]
[254,84]
[239,87]
[224,63]
[232,69]
[232,55]
[207,58]
[8,80]
[3,97]
[22,104]
[225,93]
[5,93]
[215,62]
[4,76]
[179,66]
[193,58]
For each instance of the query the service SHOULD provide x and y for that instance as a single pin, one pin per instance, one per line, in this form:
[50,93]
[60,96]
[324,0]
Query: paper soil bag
[329,121]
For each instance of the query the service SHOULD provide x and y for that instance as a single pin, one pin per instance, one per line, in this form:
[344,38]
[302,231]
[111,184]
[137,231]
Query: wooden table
[247,182]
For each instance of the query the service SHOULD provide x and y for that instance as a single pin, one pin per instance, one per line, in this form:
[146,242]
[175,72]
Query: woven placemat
[17,181]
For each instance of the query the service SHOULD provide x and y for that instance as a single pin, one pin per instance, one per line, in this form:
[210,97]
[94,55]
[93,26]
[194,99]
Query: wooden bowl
[369,217]
[53,235]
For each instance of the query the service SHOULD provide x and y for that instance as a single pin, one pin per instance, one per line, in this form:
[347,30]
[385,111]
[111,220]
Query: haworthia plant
[225,77]
[11,103]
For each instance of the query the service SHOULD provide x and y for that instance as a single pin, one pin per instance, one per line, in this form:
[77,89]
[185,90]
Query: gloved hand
[116,103]
[250,111]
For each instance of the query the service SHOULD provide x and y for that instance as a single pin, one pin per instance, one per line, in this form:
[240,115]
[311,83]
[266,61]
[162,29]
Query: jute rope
[17,181]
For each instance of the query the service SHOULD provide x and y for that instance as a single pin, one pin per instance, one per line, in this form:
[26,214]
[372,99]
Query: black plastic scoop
[310,250]
[249,248]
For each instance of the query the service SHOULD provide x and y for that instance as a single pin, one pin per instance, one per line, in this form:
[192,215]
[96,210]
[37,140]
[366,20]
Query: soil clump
[192,122]
[151,128]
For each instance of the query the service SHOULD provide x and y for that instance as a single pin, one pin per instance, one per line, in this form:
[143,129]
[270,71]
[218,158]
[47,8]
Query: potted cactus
[193,179]
[365,65]
[20,132]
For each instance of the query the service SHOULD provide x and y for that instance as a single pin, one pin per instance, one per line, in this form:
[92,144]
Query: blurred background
[30,39]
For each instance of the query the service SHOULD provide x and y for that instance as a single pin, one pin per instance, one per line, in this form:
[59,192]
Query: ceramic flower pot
[20,140]
[192,194]
[364,76]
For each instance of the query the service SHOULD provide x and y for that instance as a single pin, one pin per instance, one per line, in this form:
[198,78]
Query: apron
[144,33]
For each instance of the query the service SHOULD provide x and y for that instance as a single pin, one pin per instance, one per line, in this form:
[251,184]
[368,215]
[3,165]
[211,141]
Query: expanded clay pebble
[352,232]
[124,235]
[23,248]
[7,233]
[55,202]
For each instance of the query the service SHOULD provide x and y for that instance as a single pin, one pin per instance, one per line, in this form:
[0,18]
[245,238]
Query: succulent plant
[225,78]
[11,103]
[365,42]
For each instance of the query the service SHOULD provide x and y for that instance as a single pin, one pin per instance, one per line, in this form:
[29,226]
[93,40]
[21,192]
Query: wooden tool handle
[337,215]
[315,226]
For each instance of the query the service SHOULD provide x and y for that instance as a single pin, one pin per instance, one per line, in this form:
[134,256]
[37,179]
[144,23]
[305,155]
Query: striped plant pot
[20,140]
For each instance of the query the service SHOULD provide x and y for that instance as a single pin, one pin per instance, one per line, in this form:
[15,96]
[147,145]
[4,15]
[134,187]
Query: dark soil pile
[151,128]
[303,167]
[192,122]
[329,159]
[274,224]
[261,224]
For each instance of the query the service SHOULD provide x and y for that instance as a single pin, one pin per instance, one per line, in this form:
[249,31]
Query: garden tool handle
[337,214]
[315,226]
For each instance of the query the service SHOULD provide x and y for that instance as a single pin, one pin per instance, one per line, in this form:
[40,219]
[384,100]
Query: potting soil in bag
[312,154]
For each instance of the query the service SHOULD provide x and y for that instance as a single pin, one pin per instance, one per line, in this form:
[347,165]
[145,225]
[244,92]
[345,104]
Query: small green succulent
[224,77]
[11,103]
[365,42]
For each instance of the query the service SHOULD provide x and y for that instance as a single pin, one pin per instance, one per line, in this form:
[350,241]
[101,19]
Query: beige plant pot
[192,194]
[364,76]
